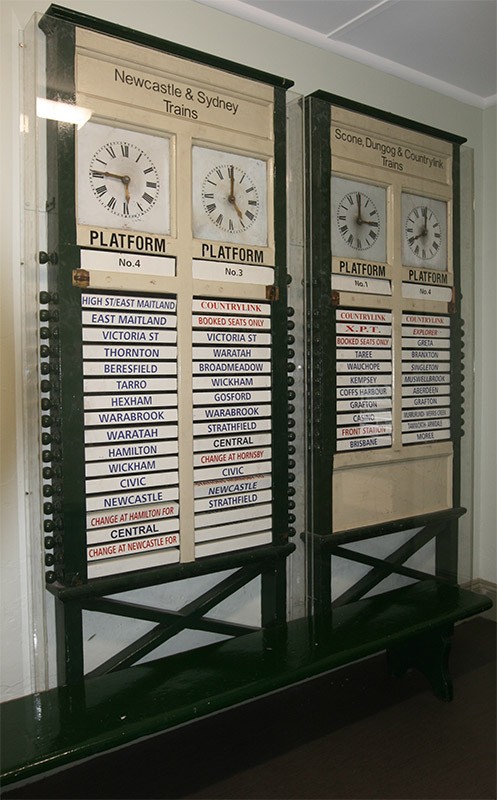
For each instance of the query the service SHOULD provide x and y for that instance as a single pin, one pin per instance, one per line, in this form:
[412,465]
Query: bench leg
[429,653]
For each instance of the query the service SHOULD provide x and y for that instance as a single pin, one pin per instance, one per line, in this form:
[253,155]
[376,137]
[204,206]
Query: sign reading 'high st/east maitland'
[425,378]
[364,379]
[131,432]
[231,424]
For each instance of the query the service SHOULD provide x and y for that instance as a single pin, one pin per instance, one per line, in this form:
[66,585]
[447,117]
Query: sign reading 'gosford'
[231,370]
[364,379]
[131,431]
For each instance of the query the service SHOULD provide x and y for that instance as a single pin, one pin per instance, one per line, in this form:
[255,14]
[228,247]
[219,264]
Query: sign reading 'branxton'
[131,432]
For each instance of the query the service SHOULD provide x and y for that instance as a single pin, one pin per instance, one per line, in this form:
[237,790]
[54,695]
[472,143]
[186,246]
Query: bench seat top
[54,728]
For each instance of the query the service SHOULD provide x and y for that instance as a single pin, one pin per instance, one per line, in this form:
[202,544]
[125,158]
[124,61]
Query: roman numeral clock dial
[358,225]
[123,179]
[424,242]
[229,197]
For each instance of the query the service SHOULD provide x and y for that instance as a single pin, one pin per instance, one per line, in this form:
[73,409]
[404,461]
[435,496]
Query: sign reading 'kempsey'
[364,379]
[131,432]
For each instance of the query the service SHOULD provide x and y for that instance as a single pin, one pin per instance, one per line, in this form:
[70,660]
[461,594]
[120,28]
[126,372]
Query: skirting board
[489,589]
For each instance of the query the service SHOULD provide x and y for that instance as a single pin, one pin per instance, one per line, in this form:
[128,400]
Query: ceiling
[445,45]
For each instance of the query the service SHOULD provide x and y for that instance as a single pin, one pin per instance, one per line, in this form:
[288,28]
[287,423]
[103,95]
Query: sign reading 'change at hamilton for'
[131,430]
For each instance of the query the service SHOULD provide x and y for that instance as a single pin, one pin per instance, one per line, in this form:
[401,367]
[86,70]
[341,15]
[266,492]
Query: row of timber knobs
[291,518]
[51,455]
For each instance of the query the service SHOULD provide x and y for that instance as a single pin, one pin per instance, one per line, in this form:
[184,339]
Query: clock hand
[231,196]
[359,220]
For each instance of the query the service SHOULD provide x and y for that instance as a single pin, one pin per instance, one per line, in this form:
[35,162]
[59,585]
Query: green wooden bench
[56,728]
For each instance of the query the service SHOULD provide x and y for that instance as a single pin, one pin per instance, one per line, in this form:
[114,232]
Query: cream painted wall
[195,25]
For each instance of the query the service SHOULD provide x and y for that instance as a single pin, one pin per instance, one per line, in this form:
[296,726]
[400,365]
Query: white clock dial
[358,219]
[424,240]
[123,179]
[229,197]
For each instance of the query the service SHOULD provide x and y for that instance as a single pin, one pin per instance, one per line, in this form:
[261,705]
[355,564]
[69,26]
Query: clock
[123,179]
[424,232]
[358,219]
[229,197]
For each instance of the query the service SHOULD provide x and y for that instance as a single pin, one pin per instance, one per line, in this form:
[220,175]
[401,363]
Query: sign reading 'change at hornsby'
[131,431]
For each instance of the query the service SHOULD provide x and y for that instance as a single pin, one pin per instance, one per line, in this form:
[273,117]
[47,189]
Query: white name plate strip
[363,405]
[129,319]
[128,467]
[238,339]
[132,499]
[251,512]
[127,263]
[128,368]
[438,320]
[433,333]
[346,283]
[116,385]
[362,354]
[98,435]
[128,302]
[131,563]
[421,413]
[115,401]
[231,353]
[252,483]
[112,335]
[138,450]
[233,273]
[230,545]
[363,430]
[168,527]
[409,379]
[424,436]
[136,416]
[364,380]
[99,519]
[230,307]
[370,443]
[230,367]
[230,396]
[425,342]
[229,464]
[131,482]
[364,417]
[364,391]
[212,320]
[425,425]
[356,315]
[425,402]
[232,412]
[364,366]
[232,501]
[234,470]
[362,329]
[231,426]
[426,355]
[145,545]
[430,366]
[229,442]
[363,341]
[232,382]
[134,351]
[409,391]
[415,291]
[233,529]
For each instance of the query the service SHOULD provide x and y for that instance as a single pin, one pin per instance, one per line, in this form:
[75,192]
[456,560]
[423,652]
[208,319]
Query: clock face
[424,240]
[123,179]
[229,197]
[358,219]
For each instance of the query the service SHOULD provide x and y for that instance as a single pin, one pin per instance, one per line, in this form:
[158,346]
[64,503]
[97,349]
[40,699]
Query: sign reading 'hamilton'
[131,432]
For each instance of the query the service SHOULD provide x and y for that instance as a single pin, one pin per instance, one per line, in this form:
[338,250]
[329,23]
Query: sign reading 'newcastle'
[131,431]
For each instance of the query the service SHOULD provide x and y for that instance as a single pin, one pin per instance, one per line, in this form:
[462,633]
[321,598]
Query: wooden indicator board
[165,357]
[384,316]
